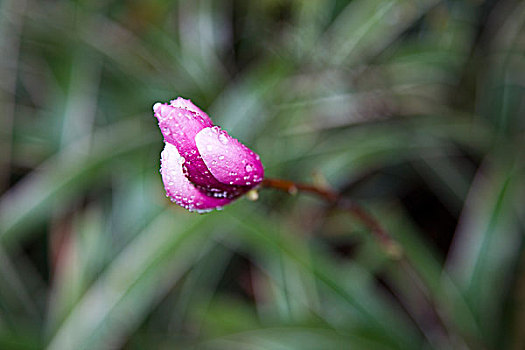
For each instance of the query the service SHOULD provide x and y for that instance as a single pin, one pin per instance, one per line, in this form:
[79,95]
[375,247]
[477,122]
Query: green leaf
[133,282]
[65,176]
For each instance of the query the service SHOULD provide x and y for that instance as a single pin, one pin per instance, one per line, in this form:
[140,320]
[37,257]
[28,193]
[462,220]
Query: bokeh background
[413,108]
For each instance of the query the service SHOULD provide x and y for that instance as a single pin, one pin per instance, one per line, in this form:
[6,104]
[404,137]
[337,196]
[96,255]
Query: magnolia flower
[202,167]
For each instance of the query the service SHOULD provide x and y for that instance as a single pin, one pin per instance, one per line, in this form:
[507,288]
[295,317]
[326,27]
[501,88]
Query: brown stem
[390,246]
[292,188]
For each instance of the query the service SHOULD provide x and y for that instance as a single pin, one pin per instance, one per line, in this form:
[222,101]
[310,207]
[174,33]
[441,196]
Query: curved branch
[390,246]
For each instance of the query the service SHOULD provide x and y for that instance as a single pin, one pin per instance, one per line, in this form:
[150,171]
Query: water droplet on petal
[202,211]
[223,139]
[248,168]
[166,130]
[157,106]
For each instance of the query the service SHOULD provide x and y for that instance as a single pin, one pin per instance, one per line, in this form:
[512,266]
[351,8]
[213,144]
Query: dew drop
[221,157]
[203,211]
[248,168]
[223,139]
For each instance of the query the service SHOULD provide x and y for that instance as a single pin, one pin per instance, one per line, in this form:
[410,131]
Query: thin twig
[391,247]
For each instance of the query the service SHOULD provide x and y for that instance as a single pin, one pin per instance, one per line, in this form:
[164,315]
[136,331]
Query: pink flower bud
[202,167]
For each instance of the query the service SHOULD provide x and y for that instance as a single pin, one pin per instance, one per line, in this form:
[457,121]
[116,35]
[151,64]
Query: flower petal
[188,105]
[179,188]
[228,160]
[179,127]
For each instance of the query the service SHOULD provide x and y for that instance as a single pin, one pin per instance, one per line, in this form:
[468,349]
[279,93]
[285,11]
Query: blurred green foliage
[414,108]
